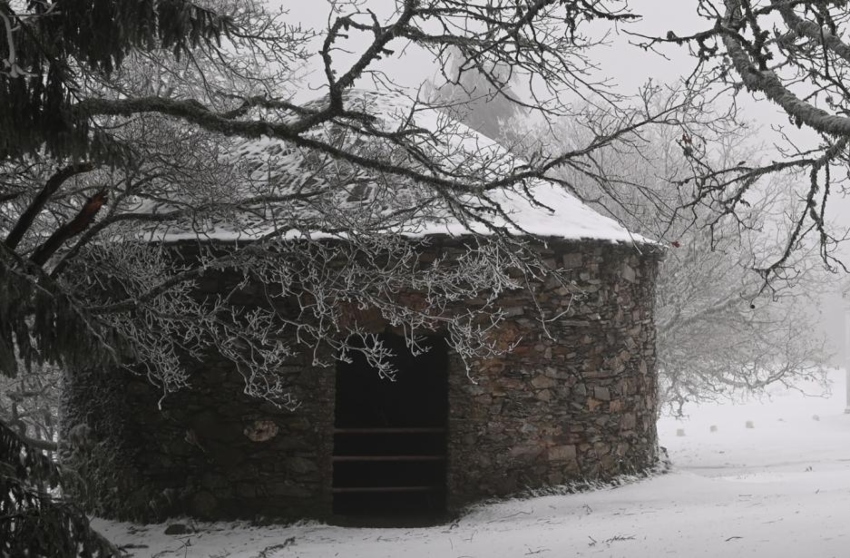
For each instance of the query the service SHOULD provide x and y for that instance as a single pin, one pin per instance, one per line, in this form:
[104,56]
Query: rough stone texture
[574,401]
[578,402]
[208,452]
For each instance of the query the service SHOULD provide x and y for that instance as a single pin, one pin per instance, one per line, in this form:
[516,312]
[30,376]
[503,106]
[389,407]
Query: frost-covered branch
[795,56]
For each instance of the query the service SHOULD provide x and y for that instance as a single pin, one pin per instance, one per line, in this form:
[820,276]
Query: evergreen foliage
[48,52]
[43,324]
[33,522]
[49,49]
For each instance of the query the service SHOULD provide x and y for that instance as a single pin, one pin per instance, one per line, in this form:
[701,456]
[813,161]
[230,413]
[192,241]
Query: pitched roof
[301,192]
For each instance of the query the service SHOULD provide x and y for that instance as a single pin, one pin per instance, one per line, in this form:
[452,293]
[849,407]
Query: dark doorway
[389,456]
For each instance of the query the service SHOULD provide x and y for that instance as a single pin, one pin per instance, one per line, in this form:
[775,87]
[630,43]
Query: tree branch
[768,83]
[80,223]
[53,183]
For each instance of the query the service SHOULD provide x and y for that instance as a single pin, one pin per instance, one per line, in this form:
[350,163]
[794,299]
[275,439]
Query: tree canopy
[794,56]
[122,116]
[189,81]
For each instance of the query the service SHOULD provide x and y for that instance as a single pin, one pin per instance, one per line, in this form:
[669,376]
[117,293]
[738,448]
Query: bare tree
[470,97]
[175,121]
[721,333]
[795,56]
[162,131]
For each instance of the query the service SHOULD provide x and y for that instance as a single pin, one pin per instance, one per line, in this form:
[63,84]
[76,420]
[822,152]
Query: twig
[264,553]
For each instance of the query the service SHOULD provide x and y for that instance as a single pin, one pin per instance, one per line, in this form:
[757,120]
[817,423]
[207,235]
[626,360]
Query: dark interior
[390,436]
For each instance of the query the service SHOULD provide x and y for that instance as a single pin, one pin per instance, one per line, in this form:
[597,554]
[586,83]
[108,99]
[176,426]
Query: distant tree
[793,55]
[480,98]
[720,335]
[722,332]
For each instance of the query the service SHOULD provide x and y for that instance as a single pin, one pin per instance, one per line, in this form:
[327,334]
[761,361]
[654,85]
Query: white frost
[273,167]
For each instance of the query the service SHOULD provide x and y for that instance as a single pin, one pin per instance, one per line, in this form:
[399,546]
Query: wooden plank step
[363,489]
[388,458]
[418,430]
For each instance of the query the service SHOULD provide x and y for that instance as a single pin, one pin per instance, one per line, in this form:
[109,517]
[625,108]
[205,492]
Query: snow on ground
[778,489]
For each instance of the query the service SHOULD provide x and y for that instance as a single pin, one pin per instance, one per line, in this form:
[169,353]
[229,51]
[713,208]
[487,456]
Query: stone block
[301,465]
[572,260]
[616,406]
[526,453]
[601,448]
[562,453]
[574,323]
[608,464]
[528,428]
[289,490]
[593,404]
[246,490]
[204,505]
[261,430]
[205,424]
[628,422]
[542,382]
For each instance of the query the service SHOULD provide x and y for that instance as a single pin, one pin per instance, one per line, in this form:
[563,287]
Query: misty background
[616,64]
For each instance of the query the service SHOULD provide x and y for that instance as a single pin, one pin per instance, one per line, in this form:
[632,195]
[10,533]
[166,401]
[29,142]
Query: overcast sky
[618,61]
[627,65]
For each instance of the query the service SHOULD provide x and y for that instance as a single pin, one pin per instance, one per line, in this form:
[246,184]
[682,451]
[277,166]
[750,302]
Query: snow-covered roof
[301,192]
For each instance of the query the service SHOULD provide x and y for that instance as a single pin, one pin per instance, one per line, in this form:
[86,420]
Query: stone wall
[210,452]
[577,401]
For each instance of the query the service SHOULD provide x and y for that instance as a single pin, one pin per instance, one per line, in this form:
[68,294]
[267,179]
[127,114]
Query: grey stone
[562,453]
[628,273]
[289,489]
[261,430]
[572,260]
[541,382]
[567,404]
[301,465]
[177,529]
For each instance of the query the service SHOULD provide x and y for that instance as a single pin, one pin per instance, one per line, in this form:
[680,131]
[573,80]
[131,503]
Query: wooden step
[390,430]
[363,489]
[389,458]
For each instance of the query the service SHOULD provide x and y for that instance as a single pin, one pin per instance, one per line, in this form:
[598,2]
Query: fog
[622,62]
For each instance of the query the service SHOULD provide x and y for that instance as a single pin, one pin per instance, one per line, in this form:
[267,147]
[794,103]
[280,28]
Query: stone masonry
[575,400]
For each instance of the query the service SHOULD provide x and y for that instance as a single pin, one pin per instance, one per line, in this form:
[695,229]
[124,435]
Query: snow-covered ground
[776,487]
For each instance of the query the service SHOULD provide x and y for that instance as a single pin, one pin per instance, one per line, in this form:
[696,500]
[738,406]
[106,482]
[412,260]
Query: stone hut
[572,403]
